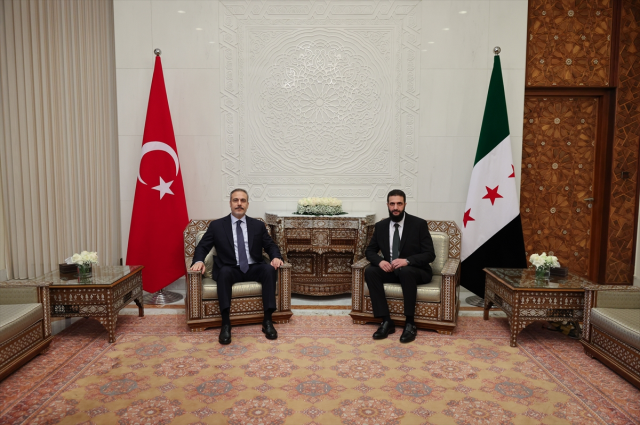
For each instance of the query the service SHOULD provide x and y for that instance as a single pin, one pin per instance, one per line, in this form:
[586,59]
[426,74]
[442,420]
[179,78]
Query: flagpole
[475,300]
[161,297]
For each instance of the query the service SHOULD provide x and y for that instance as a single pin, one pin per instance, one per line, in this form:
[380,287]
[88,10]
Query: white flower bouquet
[543,263]
[319,206]
[84,258]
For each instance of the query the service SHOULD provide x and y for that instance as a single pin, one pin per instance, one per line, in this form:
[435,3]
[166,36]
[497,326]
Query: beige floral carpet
[321,370]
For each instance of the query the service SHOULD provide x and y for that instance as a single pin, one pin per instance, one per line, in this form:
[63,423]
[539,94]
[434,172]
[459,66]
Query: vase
[543,272]
[84,272]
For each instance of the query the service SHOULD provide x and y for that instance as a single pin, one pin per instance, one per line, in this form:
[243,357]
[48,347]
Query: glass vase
[543,272]
[84,272]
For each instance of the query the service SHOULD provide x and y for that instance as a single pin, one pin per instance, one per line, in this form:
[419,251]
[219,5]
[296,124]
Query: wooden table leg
[487,306]
[138,302]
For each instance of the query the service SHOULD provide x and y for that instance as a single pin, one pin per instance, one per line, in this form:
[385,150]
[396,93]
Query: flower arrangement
[319,206]
[84,260]
[543,263]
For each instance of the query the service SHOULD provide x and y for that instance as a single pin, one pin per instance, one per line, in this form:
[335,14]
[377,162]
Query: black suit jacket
[415,245]
[220,235]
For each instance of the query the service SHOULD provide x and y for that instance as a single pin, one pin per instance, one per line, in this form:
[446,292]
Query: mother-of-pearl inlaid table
[101,296]
[321,249]
[525,299]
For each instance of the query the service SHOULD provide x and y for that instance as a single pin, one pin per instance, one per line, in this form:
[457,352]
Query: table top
[101,277]
[290,214]
[525,280]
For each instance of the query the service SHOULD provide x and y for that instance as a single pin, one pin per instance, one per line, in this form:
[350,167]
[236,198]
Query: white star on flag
[164,188]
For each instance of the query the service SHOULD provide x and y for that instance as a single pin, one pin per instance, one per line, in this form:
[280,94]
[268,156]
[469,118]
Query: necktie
[395,248]
[242,252]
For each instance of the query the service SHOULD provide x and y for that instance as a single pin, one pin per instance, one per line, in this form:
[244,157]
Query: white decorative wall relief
[320,99]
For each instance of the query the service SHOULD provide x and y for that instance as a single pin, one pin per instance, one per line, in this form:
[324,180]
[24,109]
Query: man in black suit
[407,248]
[239,241]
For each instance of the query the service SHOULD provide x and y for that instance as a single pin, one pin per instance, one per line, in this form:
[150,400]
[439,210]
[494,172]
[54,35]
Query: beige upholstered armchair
[202,306]
[437,301]
[611,331]
[25,323]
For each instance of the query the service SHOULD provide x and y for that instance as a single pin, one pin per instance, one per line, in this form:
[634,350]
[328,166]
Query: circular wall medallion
[568,61]
[556,121]
[553,210]
[570,13]
[554,166]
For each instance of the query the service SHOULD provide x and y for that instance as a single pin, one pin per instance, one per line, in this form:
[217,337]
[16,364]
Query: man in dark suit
[407,251]
[239,241]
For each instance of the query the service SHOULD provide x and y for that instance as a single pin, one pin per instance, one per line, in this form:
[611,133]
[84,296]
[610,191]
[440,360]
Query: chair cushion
[18,295]
[208,260]
[427,292]
[441,247]
[238,290]
[15,318]
[621,323]
[618,299]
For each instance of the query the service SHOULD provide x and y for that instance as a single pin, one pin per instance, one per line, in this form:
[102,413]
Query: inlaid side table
[321,249]
[525,299]
[100,297]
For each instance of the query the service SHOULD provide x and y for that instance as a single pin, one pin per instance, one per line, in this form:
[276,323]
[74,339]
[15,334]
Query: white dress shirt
[243,226]
[392,230]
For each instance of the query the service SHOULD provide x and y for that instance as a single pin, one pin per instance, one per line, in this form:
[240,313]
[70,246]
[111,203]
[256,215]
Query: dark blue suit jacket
[220,235]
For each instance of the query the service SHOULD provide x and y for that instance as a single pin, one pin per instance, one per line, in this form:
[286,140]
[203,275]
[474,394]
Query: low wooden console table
[321,249]
[107,291]
[525,299]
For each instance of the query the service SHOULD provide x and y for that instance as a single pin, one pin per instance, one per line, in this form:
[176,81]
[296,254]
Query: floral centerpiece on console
[319,206]
[543,264]
[84,261]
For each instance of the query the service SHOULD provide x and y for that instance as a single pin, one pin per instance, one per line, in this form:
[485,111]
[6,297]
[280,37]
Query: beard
[396,218]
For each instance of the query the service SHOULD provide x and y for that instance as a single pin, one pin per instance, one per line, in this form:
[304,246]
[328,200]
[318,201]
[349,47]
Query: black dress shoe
[384,330]
[268,329]
[409,333]
[225,335]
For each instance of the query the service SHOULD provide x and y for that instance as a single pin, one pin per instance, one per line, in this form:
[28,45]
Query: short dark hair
[397,192]
[238,190]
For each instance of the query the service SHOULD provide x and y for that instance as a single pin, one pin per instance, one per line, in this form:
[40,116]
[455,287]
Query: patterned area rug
[321,370]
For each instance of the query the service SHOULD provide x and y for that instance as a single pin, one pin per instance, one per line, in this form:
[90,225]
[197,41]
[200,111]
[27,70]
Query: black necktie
[395,248]
[242,252]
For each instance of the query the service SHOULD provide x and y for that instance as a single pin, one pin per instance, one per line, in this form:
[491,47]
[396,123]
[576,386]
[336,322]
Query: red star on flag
[467,217]
[492,194]
[513,172]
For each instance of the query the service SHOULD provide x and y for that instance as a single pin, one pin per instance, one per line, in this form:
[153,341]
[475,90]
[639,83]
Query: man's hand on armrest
[199,266]
[276,262]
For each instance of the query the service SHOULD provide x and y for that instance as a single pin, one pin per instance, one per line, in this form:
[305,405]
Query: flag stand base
[162,297]
[475,301]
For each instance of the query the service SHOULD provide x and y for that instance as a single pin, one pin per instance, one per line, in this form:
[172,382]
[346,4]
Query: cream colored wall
[444,88]
[3,242]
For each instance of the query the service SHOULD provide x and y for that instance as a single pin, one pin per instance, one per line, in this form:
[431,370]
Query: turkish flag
[159,207]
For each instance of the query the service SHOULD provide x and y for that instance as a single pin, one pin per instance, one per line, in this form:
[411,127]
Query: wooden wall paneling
[623,198]
[558,169]
[569,43]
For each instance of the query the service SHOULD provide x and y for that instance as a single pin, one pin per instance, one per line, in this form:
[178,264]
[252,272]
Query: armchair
[25,323]
[611,330]
[203,310]
[437,302]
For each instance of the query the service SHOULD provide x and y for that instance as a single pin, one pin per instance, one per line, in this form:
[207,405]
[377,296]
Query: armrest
[23,284]
[595,287]
[360,264]
[284,283]
[451,267]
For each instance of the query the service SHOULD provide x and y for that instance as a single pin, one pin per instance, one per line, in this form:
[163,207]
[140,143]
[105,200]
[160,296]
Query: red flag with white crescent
[159,207]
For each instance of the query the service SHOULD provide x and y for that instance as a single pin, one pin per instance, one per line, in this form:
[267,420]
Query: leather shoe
[409,333]
[268,330]
[386,328]
[225,335]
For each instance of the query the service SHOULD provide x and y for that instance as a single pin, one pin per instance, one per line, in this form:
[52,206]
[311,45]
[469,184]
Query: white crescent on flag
[158,146]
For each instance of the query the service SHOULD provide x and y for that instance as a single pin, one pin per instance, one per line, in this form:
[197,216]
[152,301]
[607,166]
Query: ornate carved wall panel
[623,201]
[569,43]
[319,99]
[557,175]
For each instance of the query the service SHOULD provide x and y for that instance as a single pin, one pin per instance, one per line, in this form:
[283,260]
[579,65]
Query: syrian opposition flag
[159,207]
[492,231]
